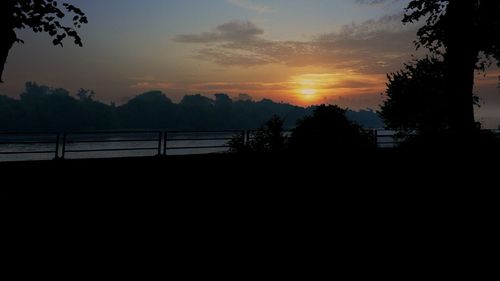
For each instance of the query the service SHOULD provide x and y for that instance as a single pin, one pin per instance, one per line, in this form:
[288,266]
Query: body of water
[135,144]
[85,146]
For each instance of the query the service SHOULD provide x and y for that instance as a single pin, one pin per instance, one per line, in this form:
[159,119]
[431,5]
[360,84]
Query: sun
[308,92]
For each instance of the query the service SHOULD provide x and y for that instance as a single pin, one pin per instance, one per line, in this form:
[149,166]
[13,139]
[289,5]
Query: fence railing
[74,142]
[159,143]
[30,143]
[388,138]
[385,138]
[153,143]
[196,139]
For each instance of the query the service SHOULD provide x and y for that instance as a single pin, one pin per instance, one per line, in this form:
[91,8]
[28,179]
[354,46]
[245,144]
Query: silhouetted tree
[45,108]
[93,114]
[223,112]
[85,95]
[39,16]
[48,108]
[460,30]
[237,144]
[10,114]
[269,138]
[152,110]
[197,110]
[416,98]
[329,131]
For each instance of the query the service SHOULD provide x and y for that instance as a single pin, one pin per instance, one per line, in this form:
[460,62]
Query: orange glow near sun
[315,88]
[308,92]
[310,88]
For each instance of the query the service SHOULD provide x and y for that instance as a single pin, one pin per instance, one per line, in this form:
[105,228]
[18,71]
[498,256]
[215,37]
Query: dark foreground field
[220,175]
[261,203]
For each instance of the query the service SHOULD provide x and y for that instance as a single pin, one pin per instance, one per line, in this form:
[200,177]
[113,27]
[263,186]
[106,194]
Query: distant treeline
[44,108]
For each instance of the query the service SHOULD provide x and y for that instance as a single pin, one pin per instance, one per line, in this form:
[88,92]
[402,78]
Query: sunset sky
[298,51]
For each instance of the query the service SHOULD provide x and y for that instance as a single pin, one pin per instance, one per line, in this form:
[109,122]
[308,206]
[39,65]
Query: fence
[38,143]
[160,143]
[156,143]
[112,139]
[175,137]
[391,139]
[388,138]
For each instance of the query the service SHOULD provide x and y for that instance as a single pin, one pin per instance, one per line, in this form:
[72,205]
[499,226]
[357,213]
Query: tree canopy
[43,108]
[443,23]
[461,31]
[328,131]
[416,98]
[39,16]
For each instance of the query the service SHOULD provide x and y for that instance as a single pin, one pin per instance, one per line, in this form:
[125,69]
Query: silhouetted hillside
[45,108]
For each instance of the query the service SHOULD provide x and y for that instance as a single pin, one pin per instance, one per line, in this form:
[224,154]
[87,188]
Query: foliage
[152,110]
[416,98]
[467,35]
[441,25]
[39,16]
[85,94]
[269,138]
[328,130]
[46,108]
[46,16]
[431,34]
[237,144]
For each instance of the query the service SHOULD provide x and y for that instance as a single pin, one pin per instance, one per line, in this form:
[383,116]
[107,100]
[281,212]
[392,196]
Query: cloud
[234,87]
[353,84]
[390,24]
[212,87]
[149,85]
[250,5]
[322,82]
[239,31]
[357,101]
[371,2]
[374,46]
[234,57]
[376,2]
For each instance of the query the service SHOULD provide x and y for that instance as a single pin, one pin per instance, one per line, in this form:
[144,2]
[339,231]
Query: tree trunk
[8,41]
[460,58]
[7,35]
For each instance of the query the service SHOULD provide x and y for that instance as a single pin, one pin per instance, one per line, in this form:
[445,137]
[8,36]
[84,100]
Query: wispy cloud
[240,31]
[374,46]
[376,2]
[323,83]
[371,2]
[150,85]
[250,5]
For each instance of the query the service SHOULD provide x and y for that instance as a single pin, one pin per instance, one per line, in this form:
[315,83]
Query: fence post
[63,155]
[56,157]
[165,137]
[159,142]
[375,137]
